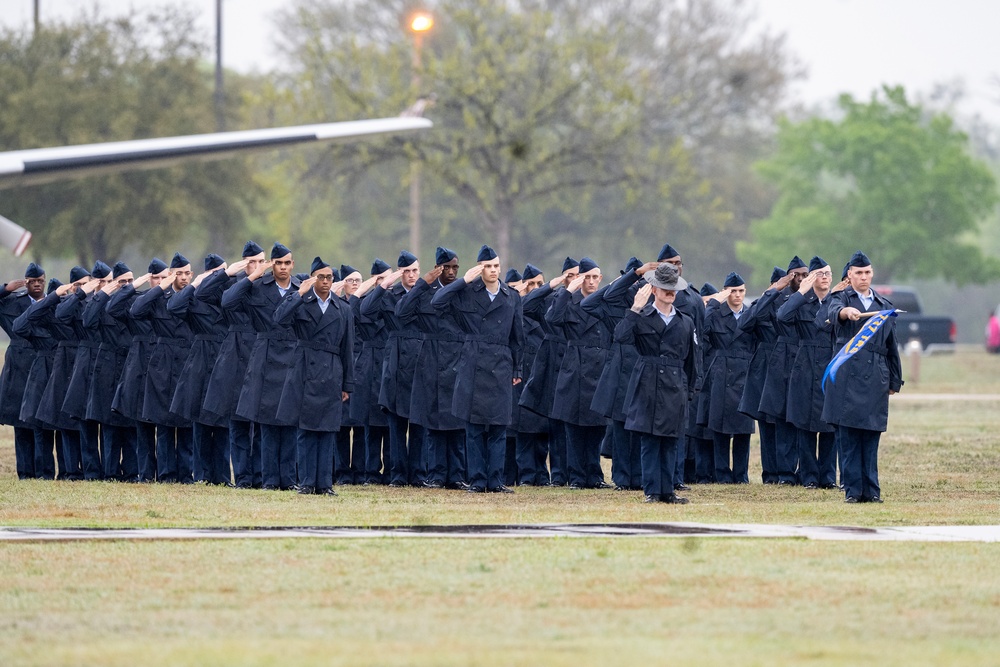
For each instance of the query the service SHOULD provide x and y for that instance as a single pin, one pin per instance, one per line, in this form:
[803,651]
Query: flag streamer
[855,345]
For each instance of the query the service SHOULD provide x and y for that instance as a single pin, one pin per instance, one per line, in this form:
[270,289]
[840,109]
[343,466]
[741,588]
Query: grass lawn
[560,601]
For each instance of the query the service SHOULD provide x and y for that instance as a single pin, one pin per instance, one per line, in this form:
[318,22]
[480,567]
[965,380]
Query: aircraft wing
[46,165]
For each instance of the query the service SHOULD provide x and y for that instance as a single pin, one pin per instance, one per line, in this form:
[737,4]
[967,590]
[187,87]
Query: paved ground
[904,396]
[680,529]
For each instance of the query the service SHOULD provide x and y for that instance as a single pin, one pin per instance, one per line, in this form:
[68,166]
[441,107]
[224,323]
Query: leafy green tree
[103,79]
[559,127]
[885,177]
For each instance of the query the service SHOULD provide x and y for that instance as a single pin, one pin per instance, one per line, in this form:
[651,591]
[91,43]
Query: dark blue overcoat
[401,350]
[540,378]
[203,313]
[859,398]
[774,391]
[32,325]
[805,396]
[18,359]
[311,398]
[109,363]
[665,377]
[491,351]
[78,390]
[371,338]
[588,341]
[273,351]
[170,351]
[758,320]
[727,350]
[524,420]
[50,412]
[609,304]
[226,374]
[130,394]
[434,374]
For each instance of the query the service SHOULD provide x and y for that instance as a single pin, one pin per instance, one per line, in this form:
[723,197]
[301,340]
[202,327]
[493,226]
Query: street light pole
[419,24]
[220,118]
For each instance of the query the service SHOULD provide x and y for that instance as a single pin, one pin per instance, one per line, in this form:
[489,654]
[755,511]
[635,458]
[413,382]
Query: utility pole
[220,119]
[37,21]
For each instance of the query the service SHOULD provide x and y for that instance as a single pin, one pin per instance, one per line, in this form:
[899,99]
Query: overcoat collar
[482,298]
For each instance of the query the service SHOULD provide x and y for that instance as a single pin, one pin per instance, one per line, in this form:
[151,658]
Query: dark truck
[936,333]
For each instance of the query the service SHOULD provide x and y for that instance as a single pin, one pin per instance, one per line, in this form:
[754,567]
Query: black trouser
[90,450]
[376,438]
[485,452]
[741,458]
[174,454]
[45,444]
[787,449]
[24,452]
[859,462]
[510,459]
[278,457]
[70,439]
[348,455]
[817,458]
[626,457]
[212,443]
[315,459]
[406,446]
[145,450]
[768,452]
[531,451]
[704,456]
[557,452]
[120,453]
[244,445]
[583,455]
[659,456]
[445,456]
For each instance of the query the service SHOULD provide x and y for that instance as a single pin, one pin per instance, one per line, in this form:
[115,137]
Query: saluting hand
[576,284]
[306,285]
[141,280]
[807,283]
[236,267]
[648,266]
[641,297]
[473,273]
[723,295]
[90,285]
[15,285]
[63,290]
[433,274]
[260,270]
[841,286]
[782,282]
[391,277]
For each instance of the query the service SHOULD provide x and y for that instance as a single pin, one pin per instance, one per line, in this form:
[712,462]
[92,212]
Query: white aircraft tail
[14,236]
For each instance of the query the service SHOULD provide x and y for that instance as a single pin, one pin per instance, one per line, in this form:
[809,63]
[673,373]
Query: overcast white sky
[846,45]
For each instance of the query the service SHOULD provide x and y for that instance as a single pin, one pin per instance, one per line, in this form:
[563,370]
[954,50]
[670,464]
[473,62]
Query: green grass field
[558,601]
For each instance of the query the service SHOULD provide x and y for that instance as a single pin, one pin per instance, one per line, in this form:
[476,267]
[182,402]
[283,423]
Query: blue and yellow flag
[854,345]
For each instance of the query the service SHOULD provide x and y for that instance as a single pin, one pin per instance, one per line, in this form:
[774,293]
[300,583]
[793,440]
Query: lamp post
[419,24]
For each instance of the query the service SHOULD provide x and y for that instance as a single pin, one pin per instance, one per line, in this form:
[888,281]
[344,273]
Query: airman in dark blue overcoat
[664,380]
[817,453]
[406,440]
[228,371]
[321,376]
[857,401]
[15,297]
[759,320]
[202,310]
[727,359]
[258,294]
[175,457]
[119,453]
[489,315]
[434,373]
[531,428]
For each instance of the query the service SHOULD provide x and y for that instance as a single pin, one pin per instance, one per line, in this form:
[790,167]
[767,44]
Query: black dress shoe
[786,483]
[575,487]
[828,486]
[396,485]
[457,486]
[269,487]
[306,491]
[811,485]
[475,489]
[433,485]
[873,499]
[326,492]
[619,487]
[603,485]
[502,489]
[650,499]
[681,486]
[673,499]
[852,499]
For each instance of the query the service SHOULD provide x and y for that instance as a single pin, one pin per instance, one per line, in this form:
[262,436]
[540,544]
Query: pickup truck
[936,333]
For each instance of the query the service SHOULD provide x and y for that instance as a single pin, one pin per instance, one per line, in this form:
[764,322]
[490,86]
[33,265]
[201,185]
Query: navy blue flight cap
[587,264]
[179,261]
[120,269]
[54,284]
[486,253]
[317,265]
[667,252]
[301,276]
[443,255]
[777,274]
[708,289]
[859,259]
[100,270]
[531,271]
[843,276]
[346,270]
[406,258]
[212,261]
[251,249]
[512,276]
[379,266]
[796,263]
[78,273]
[157,266]
[816,263]
[733,280]
[278,251]
[569,263]
[34,271]
[632,264]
